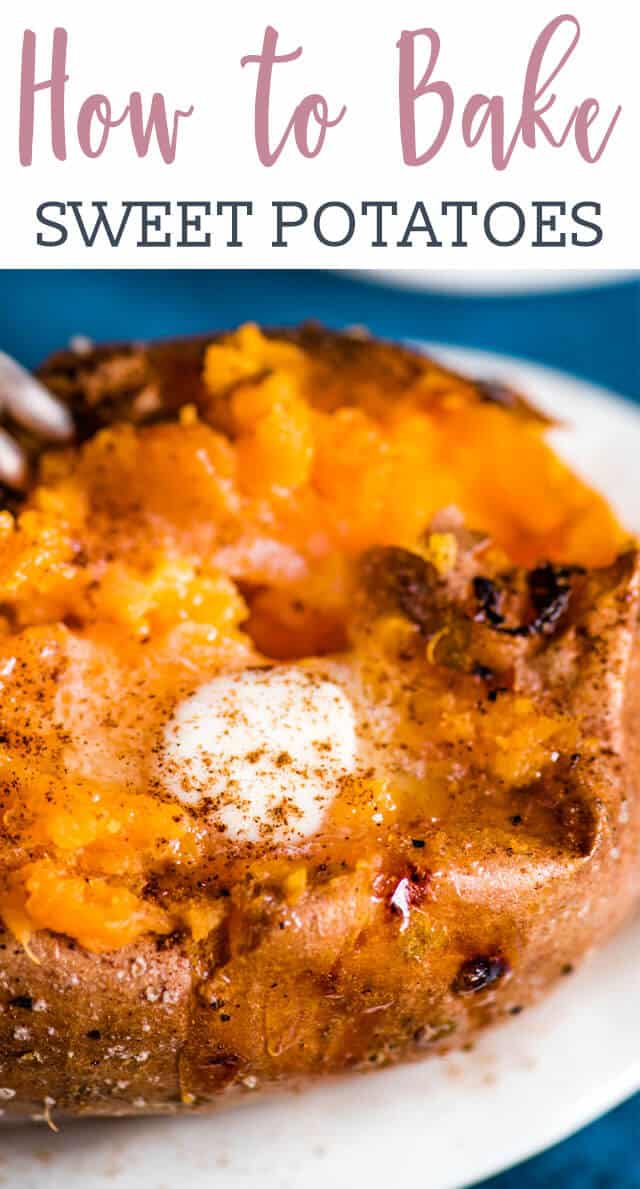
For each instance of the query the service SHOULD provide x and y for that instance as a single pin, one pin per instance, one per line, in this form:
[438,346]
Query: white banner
[422,134]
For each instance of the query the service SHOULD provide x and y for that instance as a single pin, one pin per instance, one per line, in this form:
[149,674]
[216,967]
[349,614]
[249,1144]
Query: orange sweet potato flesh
[269,496]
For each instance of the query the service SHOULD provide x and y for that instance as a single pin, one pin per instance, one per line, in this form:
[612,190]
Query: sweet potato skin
[334,981]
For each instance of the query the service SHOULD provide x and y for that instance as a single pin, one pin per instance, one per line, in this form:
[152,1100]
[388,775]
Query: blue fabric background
[593,333]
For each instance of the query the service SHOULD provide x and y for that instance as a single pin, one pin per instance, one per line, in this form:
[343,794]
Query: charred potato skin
[332,982]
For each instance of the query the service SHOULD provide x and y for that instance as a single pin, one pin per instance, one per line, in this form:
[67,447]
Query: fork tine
[13,465]
[31,404]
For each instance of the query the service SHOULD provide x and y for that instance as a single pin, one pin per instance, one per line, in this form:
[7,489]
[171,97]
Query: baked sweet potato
[244,534]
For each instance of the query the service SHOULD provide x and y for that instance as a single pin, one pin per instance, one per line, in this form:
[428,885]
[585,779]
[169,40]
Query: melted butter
[266,749]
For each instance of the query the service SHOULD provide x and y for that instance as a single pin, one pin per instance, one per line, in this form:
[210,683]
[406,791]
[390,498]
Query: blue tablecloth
[594,333]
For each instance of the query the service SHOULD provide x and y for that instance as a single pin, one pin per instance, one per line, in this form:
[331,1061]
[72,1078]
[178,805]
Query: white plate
[493,282]
[448,1121]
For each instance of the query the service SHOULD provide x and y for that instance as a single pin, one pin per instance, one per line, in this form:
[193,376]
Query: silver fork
[27,402]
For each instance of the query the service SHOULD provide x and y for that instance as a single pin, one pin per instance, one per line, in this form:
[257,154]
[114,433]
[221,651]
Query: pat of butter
[267,748]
